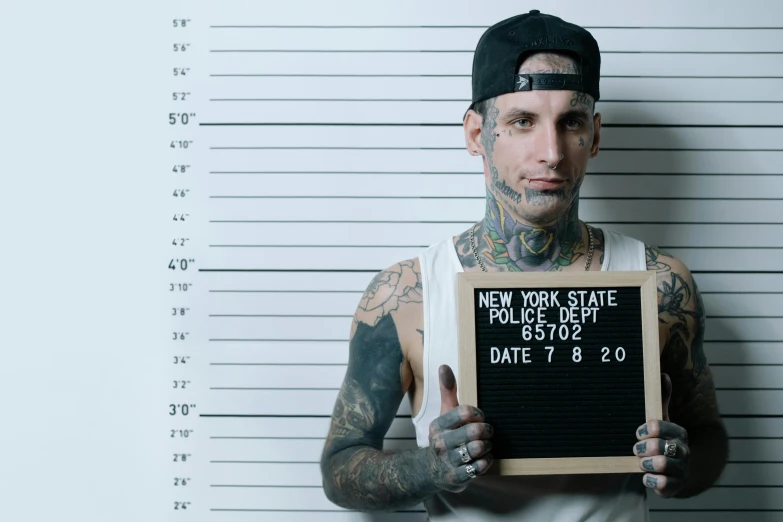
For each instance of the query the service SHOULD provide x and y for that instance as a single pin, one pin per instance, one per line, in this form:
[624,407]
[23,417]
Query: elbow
[330,487]
[327,481]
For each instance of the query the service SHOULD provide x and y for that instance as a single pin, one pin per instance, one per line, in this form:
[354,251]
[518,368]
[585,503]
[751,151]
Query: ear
[472,127]
[596,135]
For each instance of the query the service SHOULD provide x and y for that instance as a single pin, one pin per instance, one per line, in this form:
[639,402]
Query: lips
[546,183]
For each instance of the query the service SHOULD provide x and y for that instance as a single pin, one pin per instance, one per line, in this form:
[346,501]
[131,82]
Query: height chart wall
[294,149]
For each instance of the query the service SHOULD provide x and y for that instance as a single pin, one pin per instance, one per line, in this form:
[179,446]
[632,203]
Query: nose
[548,147]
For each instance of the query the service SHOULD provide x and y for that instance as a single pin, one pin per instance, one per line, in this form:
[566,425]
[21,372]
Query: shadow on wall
[719,334]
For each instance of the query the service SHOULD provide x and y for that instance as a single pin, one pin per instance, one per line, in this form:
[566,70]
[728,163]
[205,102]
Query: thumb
[666,393]
[448,389]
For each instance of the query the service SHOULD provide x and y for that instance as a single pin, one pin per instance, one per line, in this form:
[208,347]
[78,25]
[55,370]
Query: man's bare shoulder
[676,285]
[395,291]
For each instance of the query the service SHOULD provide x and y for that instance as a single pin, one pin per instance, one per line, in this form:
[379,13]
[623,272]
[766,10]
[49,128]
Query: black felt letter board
[557,380]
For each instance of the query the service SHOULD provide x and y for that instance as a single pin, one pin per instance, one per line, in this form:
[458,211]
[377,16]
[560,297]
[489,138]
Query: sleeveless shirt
[488,498]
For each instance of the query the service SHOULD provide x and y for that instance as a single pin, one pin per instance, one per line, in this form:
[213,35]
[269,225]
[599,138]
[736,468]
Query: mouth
[546,183]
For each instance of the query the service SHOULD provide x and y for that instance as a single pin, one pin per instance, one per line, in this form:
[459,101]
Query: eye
[524,122]
[573,124]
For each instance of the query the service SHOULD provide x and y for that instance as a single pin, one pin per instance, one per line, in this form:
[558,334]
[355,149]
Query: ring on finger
[670,448]
[463,453]
[471,471]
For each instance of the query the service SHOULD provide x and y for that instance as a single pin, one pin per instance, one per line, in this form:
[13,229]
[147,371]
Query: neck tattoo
[588,260]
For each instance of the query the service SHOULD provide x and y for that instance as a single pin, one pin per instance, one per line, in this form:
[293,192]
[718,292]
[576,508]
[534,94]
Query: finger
[448,389]
[459,416]
[663,486]
[652,447]
[480,467]
[475,448]
[663,466]
[467,433]
[666,392]
[661,429]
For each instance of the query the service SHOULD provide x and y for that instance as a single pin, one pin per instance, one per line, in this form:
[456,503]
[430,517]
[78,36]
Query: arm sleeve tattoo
[693,403]
[357,473]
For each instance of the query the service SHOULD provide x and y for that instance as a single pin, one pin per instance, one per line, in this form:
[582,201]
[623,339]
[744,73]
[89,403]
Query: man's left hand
[667,470]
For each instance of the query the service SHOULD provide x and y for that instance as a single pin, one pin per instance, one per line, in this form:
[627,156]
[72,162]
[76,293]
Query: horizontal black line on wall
[746,365]
[413,437]
[397,173]
[305,438]
[297,291]
[713,365]
[308,510]
[348,316]
[364,270]
[746,317]
[463,148]
[744,416]
[733,341]
[747,389]
[277,389]
[361,292]
[720,510]
[317,462]
[338,389]
[282,340]
[288,316]
[588,27]
[458,100]
[425,246]
[467,223]
[470,51]
[279,416]
[742,341]
[587,198]
[415,124]
[287,364]
[262,486]
[269,75]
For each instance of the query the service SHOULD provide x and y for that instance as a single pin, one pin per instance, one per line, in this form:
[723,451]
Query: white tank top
[547,498]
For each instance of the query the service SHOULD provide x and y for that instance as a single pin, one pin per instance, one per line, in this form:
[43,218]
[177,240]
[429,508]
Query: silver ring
[671,449]
[463,453]
[471,471]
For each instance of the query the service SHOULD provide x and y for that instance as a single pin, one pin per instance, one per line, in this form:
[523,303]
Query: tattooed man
[533,121]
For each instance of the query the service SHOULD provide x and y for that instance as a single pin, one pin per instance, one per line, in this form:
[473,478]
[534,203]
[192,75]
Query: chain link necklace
[587,262]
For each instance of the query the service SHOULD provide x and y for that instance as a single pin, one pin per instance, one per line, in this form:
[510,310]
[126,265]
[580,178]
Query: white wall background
[359,162]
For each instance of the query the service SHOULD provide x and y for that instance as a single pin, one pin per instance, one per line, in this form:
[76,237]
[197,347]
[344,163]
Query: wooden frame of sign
[559,394]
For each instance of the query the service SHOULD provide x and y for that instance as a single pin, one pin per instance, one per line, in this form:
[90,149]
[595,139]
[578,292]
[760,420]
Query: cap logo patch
[522,83]
[545,40]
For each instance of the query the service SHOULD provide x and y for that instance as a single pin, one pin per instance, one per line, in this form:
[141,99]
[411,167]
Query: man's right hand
[455,426]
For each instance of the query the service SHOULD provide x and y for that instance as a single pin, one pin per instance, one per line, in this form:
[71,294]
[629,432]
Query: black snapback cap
[502,48]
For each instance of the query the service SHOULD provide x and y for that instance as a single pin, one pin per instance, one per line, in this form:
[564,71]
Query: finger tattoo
[643,430]
[641,448]
[652,482]
[648,465]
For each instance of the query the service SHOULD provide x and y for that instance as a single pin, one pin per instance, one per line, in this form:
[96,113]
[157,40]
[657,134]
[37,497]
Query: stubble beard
[537,207]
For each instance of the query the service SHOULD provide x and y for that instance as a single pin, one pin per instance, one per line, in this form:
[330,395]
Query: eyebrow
[515,113]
